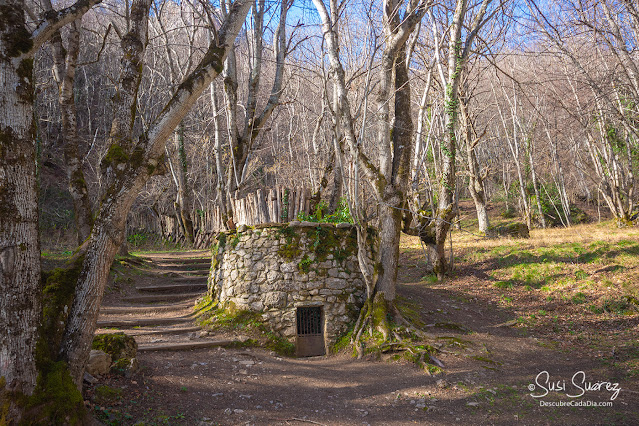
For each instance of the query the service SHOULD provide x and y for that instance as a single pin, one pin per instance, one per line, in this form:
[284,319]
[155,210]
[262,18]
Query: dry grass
[587,233]
[577,285]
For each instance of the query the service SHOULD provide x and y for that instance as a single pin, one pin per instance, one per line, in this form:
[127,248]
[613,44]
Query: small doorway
[310,335]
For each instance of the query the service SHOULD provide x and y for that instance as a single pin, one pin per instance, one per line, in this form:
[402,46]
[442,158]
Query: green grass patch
[621,305]
[504,285]
[579,298]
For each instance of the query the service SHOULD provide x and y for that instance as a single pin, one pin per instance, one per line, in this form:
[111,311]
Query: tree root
[374,332]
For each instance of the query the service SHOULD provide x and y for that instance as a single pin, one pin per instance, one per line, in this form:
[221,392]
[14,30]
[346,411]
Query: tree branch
[54,20]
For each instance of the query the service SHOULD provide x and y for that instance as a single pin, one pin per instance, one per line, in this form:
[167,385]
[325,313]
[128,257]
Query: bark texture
[19,241]
[20,304]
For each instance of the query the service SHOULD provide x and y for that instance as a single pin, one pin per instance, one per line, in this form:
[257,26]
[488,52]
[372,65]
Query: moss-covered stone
[118,345]
[228,317]
[291,248]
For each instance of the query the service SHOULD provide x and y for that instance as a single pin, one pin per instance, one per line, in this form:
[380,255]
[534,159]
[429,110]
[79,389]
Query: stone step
[185,345]
[206,263]
[143,322]
[161,297]
[158,330]
[183,279]
[173,287]
[105,310]
[177,273]
[180,261]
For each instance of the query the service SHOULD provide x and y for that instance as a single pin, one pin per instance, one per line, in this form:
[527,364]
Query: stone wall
[274,269]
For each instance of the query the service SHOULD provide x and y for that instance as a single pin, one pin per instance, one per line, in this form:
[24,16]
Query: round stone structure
[281,270]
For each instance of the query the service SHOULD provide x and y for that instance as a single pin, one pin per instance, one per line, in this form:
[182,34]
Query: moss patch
[106,394]
[114,156]
[58,294]
[228,318]
[291,248]
[118,345]
[56,399]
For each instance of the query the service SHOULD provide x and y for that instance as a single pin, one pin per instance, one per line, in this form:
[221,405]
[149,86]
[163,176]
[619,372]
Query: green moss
[235,240]
[114,156]
[305,264]
[410,311]
[221,242]
[229,318]
[106,394]
[121,366]
[58,294]
[5,402]
[290,249]
[56,400]
[343,342]
[279,344]
[380,314]
[118,345]
[25,87]
[204,304]
[486,360]
[18,38]
[378,268]
[137,157]
[77,179]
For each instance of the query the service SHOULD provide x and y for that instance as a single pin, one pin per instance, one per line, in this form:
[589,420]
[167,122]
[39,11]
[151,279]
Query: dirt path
[488,367]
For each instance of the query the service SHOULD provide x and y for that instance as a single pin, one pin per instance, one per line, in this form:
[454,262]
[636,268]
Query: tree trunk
[20,287]
[476,189]
[393,202]
[65,61]
[20,303]
[336,156]
[476,180]
[389,235]
[533,176]
[446,207]
[183,194]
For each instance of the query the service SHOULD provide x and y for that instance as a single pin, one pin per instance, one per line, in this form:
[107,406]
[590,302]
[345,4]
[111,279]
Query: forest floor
[561,302]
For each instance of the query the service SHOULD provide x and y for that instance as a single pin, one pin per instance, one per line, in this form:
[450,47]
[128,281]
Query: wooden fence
[276,205]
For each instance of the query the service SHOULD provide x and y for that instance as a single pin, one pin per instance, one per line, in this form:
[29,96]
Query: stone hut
[303,277]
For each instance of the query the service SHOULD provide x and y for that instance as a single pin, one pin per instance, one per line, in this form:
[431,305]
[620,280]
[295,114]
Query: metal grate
[309,321]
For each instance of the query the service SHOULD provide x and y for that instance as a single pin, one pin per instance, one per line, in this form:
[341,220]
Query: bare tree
[389,177]
[434,231]
[129,163]
[242,139]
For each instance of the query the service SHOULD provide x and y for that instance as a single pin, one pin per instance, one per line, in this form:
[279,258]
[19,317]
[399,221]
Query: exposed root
[376,333]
